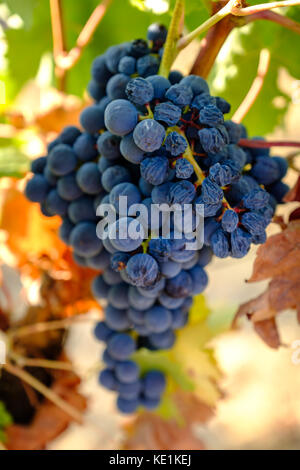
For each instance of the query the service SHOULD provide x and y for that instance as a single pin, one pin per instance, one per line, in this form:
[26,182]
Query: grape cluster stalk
[153,140]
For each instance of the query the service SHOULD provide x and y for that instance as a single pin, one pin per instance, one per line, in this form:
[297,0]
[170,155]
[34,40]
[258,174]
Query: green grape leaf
[13,163]
[162,360]
[237,65]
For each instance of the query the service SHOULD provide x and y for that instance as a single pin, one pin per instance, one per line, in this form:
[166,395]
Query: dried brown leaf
[49,421]
[150,432]
[278,255]
[268,331]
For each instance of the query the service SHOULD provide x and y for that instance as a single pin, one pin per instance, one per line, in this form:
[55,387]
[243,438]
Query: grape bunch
[154,141]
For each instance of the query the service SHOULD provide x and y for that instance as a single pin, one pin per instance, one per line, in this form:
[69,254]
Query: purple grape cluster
[156,141]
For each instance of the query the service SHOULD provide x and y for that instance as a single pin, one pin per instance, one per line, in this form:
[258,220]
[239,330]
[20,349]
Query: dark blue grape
[37,189]
[180,94]
[92,119]
[158,319]
[167,113]
[96,91]
[199,278]
[127,406]
[84,240]
[230,220]
[88,178]
[82,209]
[120,117]
[254,222]
[121,346]
[127,65]
[118,296]
[100,288]
[142,270]
[138,48]
[147,65]
[160,85]
[163,340]
[265,170]
[234,131]
[102,331]
[184,169]
[119,234]
[111,277]
[240,243]
[100,72]
[130,150]
[38,165]
[197,84]
[55,204]
[180,285]
[107,379]
[65,230]
[116,319]
[113,56]
[149,135]
[155,170]
[175,144]
[100,261]
[139,91]
[62,160]
[127,371]
[182,192]
[139,301]
[211,116]
[128,190]
[116,86]
[85,147]
[212,140]
[113,176]
[219,243]
[175,76]
[203,100]
[256,199]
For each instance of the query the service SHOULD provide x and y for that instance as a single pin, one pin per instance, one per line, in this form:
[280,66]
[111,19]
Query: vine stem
[45,391]
[255,89]
[64,60]
[211,45]
[23,361]
[233,7]
[170,51]
[45,326]
[218,16]
[251,143]
[237,11]
[275,18]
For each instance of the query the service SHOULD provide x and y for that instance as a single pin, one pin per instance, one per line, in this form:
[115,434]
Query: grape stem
[170,51]
[45,391]
[252,143]
[188,154]
[256,87]
[66,60]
